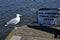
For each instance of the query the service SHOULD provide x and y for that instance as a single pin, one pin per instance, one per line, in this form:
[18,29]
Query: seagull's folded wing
[13,21]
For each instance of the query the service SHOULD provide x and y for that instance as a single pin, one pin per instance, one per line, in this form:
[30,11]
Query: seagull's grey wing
[13,21]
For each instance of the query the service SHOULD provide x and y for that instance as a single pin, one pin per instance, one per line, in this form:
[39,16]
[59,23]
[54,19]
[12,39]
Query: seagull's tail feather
[6,24]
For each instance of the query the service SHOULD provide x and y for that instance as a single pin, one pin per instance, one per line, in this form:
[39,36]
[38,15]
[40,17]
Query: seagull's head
[18,15]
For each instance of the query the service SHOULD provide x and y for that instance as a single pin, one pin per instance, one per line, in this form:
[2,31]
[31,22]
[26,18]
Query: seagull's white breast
[18,19]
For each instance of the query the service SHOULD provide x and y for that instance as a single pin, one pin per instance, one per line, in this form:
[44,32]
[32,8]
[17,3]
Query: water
[8,8]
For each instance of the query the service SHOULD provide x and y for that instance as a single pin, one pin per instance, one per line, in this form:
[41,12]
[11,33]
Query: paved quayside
[26,33]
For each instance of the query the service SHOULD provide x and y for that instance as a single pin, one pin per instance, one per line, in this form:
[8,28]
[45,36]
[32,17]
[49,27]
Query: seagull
[14,21]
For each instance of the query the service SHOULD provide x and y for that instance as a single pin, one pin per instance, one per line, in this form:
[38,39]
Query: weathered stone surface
[31,34]
[16,38]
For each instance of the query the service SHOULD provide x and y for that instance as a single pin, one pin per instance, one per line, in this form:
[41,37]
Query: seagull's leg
[15,27]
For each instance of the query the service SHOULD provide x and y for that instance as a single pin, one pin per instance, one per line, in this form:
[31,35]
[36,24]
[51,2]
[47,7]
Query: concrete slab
[16,38]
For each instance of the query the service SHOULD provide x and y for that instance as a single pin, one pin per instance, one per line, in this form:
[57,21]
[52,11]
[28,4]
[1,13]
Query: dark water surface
[8,8]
